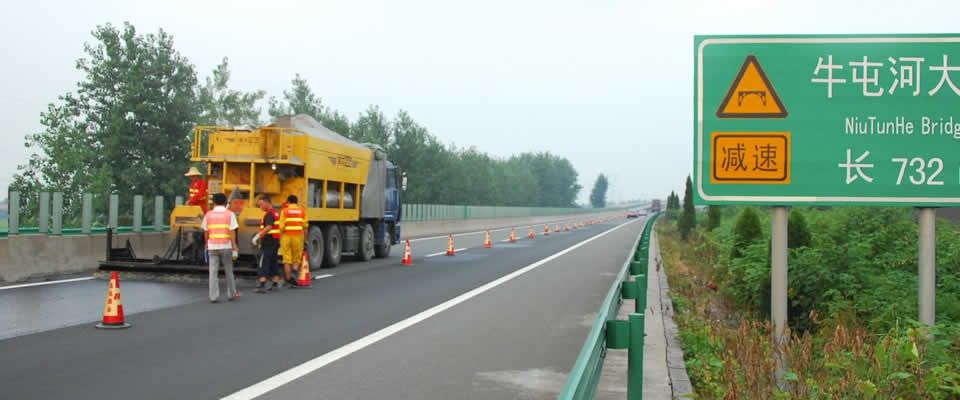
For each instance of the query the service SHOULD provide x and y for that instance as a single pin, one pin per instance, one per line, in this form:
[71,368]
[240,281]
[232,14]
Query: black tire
[333,246]
[366,250]
[383,250]
[315,246]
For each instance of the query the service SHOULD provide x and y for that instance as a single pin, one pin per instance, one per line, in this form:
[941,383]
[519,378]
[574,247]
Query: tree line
[127,129]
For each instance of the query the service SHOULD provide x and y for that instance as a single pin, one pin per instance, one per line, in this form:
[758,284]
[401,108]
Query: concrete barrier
[24,257]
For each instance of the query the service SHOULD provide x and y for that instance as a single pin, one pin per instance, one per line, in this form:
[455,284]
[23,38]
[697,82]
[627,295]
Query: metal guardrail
[608,332]
[442,212]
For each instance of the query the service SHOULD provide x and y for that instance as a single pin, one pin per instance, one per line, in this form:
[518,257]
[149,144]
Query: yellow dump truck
[350,190]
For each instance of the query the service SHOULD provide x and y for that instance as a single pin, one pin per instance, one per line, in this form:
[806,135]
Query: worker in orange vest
[220,229]
[269,240]
[292,223]
[198,189]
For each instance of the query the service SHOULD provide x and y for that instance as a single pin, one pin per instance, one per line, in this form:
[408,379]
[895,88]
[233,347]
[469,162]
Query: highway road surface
[500,323]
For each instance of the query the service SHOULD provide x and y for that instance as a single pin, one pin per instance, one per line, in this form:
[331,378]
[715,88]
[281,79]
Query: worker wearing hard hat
[198,189]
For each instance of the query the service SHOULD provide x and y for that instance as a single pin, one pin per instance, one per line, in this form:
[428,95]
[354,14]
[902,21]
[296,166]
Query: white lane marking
[285,377]
[46,283]
[319,277]
[445,252]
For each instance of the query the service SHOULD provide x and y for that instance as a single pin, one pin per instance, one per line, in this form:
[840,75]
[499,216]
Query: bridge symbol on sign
[753,90]
[762,94]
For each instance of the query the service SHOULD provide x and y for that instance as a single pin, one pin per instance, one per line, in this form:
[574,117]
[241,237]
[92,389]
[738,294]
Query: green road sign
[814,119]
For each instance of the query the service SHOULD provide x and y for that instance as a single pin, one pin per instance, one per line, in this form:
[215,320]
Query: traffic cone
[531,234]
[546,230]
[303,278]
[513,235]
[450,250]
[566,227]
[556,228]
[487,243]
[113,307]
[407,256]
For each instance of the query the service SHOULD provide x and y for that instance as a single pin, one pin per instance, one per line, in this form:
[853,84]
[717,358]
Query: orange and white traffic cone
[566,227]
[113,307]
[303,278]
[407,255]
[546,230]
[513,235]
[531,235]
[450,249]
[556,228]
[487,242]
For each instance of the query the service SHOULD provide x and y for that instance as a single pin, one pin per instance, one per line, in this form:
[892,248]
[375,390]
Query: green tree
[371,127]
[798,234]
[746,231]
[301,99]
[713,217]
[222,106]
[125,129]
[598,196]
[688,218]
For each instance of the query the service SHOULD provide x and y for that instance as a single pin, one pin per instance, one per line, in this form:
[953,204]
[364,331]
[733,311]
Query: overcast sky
[605,83]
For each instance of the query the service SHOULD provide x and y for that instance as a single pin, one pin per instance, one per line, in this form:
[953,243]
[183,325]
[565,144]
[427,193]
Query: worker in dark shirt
[269,240]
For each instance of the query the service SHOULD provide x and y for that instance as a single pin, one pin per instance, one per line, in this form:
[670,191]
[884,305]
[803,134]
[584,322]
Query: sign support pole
[778,290]
[928,265]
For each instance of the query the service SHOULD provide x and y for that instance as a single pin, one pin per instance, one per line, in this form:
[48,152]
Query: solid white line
[319,277]
[445,252]
[285,377]
[481,232]
[46,283]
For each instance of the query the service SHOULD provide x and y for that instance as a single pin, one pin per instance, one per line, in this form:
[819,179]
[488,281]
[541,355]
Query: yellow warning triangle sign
[751,95]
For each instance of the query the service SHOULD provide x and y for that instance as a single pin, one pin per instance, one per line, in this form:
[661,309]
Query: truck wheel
[366,243]
[383,250]
[334,244]
[315,246]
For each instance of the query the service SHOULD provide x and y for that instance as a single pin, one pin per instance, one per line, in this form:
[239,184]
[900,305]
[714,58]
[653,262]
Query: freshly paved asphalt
[530,327]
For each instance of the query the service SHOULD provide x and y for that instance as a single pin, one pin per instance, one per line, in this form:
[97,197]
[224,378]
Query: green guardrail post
[635,357]
[158,214]
[113,220]
[43,221]
[628,290]
[640,281]
[137,213]
[618,334]
[13,213]
[637,268]
[86,218]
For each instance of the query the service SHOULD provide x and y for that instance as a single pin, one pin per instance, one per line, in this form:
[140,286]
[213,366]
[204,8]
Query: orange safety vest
[293,217]
[218,226]
[275,229]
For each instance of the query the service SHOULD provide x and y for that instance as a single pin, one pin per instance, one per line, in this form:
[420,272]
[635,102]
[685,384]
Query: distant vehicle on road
[655,205]
[633,214]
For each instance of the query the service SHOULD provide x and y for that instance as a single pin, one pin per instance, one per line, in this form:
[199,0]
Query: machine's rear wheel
[383,250]
[315,246]
[333,247]
[366,250]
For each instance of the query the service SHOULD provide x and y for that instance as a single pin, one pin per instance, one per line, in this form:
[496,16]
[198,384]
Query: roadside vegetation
[852,304]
